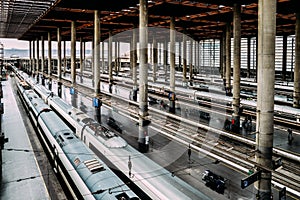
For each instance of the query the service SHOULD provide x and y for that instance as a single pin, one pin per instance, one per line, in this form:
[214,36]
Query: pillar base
[110,87]
[98,114]
[43,80]
[59,89]
[172,106]
[264,196]
[143,148]
[235,127]
[50,84]
[134,94]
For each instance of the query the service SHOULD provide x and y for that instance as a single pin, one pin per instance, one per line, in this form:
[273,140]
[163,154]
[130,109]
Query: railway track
[240,153]
[241,149]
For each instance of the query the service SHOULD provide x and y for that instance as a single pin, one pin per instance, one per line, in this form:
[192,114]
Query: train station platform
[21,175]
[199,164]
[280,132]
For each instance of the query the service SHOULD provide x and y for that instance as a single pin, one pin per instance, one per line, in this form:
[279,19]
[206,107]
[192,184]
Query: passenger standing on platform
[227,124]
[232,125]
[129,166]
[290,136]
[189,153]
[161,104]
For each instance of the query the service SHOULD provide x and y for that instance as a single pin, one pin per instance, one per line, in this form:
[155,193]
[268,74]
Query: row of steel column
[265,74]
[225,58]
[265,79]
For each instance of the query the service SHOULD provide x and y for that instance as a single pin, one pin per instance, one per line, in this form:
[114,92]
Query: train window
[70,137]
[66,133]
[61,138]
[77,161]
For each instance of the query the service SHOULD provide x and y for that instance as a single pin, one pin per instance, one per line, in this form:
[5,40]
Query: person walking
[290,136]
[189,153]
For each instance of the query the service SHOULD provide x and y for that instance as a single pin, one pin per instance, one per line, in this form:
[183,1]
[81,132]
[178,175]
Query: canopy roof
[200,19]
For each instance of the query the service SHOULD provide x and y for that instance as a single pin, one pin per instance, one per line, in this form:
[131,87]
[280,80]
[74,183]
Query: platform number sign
[172,96]
[245,182]
[282,194]
[72,90]
[97,103]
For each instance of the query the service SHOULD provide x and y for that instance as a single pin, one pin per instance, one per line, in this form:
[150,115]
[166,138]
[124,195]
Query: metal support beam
[43,60]
[236,67]
[172,54]
[49,55]
[134,64]
[49,61]
[30,57]
[155,56]
[65,59]
[172,64]
[73,53]
[248,57]
[184,59]
[59,63]
[33,58]
[96,61]
[224,46]
[143,78]
[191,62]
[265,94]
[228,59]
[37,60]
[165,46]
[81,60]
[116,63]
[296,101]
[103,58]
[284,56]
[110,70]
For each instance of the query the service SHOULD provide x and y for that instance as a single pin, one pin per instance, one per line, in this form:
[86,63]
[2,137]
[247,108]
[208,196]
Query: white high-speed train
[84,174]
[153,180]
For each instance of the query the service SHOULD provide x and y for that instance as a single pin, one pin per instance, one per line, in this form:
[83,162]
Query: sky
[22,44]
[17,47]
[14,43]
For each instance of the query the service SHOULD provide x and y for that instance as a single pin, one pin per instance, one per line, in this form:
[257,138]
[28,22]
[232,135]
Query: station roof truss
[199,19]
[16,16]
